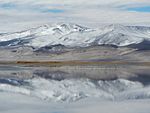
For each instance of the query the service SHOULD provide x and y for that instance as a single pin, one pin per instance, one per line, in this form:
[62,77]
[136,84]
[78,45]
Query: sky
[23,14]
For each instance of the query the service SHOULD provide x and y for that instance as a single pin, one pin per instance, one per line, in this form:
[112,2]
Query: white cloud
[28,13]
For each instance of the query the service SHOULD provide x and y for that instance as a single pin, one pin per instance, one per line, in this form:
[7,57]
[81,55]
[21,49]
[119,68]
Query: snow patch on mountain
[76,35]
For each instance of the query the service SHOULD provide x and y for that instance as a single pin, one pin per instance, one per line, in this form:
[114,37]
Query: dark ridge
[52,49]
[53,75]
[14,42]
[143,78]
[109,45]
[13,82]
[144,45]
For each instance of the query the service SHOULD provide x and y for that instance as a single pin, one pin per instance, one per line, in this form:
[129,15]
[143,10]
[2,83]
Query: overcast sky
[22,14]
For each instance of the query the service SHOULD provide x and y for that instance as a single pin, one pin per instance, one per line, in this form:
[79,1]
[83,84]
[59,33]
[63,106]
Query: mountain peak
[70,34]
[70,26]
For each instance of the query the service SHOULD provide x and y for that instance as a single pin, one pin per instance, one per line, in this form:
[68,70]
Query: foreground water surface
[73,83]
[74,89]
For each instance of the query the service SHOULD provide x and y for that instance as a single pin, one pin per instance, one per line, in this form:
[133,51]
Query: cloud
[19,14]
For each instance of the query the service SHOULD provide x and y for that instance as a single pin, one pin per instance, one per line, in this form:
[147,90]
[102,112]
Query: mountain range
[73,35]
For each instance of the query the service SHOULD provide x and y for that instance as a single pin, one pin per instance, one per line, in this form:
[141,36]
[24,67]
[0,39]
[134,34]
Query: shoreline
[74,63]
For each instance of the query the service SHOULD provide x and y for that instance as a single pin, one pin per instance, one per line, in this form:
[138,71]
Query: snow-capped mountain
[73,35]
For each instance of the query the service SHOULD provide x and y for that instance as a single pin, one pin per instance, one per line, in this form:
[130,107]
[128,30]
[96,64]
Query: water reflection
[17,74]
